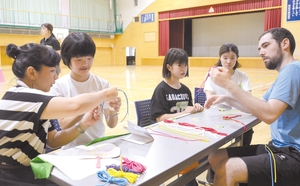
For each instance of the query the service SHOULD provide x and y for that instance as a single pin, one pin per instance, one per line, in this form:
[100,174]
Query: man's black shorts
[257,160]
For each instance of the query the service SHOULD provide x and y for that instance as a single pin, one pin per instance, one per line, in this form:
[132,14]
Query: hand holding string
[115,105]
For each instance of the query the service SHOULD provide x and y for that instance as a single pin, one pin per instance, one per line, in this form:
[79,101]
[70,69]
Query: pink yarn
[138,167]
[170,136]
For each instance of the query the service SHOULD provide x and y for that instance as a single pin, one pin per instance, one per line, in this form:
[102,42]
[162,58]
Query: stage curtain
[221,8]
[272,18]
[176,33]
[164,37]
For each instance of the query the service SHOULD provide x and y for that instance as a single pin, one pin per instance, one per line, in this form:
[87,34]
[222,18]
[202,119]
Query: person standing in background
[50,40]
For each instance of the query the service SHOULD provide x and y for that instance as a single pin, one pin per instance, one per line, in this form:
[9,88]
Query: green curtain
[22,18]
[98,9]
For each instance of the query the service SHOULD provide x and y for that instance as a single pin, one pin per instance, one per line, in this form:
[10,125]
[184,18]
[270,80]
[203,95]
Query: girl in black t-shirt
[172,98]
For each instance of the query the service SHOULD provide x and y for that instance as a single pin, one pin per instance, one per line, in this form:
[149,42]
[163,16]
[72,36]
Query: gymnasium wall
[103,52]
[147,51]
[137,35]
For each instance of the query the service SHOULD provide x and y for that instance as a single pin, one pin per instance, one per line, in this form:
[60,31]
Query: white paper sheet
[72,166]
[138,135]
[72,161]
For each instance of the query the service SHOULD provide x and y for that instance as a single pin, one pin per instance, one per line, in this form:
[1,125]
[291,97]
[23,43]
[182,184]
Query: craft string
[197,127]
[201,86]
[138,167]
[127,111]
[223,111]
[230,118]
[131,177]
[125,169]
[170,136]
[186,134]
[105,177]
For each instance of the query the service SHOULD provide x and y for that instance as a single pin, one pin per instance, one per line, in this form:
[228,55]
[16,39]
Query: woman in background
[50,40]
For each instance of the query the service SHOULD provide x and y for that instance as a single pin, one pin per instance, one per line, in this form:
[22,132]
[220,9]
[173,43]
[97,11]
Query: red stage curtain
[221,8]
[164,38]
[176,33]
[272,18]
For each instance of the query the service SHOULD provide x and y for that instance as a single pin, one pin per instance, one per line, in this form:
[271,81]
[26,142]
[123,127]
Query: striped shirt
[23,136]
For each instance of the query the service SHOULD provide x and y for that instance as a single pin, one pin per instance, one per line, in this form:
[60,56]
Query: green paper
[41,168]
[104,138]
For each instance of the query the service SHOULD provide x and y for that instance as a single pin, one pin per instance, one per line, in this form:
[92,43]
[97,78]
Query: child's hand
[213,100]
[111,94]
[198,107]
[115,105]
[194,109]
[90,118]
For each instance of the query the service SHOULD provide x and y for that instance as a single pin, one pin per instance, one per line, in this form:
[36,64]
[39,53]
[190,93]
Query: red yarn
[197,127]
[201,86]
[230,118]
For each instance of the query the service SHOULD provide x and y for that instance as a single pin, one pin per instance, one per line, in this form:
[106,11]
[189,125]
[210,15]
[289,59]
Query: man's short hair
[279,34]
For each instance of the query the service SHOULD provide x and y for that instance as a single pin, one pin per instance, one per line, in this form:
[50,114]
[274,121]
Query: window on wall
[102,12]
[28,13]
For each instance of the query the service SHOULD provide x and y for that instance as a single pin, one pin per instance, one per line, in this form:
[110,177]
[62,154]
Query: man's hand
[221,76]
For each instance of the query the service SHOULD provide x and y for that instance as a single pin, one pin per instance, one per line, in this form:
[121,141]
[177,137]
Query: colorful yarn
[189,135]
[128,175]
[105,177]
[197,127]
[230,118]
[138,167]
[125,169]
[223,111]
[167,135]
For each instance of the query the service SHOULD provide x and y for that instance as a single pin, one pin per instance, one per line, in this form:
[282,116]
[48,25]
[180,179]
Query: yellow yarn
[131,177]
[182,133]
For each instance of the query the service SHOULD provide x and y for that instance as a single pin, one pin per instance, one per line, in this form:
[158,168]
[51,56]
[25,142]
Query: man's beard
[275,61]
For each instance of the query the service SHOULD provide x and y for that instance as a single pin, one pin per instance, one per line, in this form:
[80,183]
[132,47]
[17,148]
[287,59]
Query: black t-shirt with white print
[167,100]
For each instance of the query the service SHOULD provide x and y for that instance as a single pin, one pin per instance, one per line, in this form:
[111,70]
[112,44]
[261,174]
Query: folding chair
[200,97]
[142,111]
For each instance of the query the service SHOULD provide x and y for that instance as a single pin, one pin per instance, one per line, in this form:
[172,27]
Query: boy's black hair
[174,55]
[77,44]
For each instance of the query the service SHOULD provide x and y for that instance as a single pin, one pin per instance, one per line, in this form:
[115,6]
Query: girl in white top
[228,54]
[77,52]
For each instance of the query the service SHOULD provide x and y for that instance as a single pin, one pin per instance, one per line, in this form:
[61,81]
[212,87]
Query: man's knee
[217,156]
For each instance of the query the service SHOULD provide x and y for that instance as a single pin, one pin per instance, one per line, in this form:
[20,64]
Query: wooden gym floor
[139,82]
